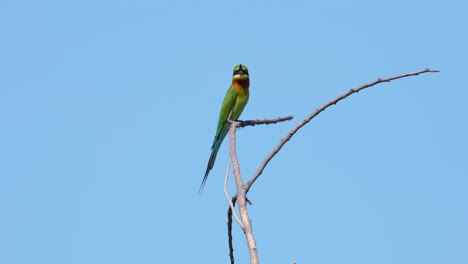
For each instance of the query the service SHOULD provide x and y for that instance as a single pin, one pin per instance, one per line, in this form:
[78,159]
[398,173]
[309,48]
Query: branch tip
[317,112]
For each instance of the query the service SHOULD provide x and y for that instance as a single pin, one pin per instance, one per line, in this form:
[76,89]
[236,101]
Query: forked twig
[242,189]
[242,205]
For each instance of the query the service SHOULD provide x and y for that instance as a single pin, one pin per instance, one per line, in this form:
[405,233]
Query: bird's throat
[242,83]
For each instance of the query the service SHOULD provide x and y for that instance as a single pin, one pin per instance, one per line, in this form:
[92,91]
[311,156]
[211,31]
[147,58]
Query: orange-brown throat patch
[241,82]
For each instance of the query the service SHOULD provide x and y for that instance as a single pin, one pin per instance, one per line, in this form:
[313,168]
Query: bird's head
[241,71]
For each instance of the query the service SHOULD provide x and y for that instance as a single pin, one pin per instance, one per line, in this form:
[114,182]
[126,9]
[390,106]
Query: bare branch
[229,197]
[230,212]
[247,228]
[232,202]
[243,189]
[229,224]
[245,123]
[318,111]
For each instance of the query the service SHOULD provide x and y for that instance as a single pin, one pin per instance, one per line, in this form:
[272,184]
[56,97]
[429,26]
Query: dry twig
[229,197]
[318,111]
[242,189]
[244,214]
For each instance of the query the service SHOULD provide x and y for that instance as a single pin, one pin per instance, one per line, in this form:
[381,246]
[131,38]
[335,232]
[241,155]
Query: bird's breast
[241,84]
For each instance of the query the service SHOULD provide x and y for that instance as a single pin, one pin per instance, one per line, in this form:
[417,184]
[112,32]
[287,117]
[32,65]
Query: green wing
[226,109]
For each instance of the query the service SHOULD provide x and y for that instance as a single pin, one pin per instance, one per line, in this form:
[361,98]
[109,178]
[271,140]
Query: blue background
[108,110]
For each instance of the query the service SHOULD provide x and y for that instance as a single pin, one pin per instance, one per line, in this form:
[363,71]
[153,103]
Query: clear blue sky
[108,110]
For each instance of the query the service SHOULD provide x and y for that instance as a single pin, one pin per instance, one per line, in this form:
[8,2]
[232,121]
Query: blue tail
[211,163]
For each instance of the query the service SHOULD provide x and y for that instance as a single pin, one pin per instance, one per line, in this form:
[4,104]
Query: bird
[235,100]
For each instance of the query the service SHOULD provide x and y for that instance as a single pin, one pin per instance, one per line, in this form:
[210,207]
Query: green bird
[234,103]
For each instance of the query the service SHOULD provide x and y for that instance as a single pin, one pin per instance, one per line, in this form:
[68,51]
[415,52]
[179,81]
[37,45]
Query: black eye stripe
[241,72]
